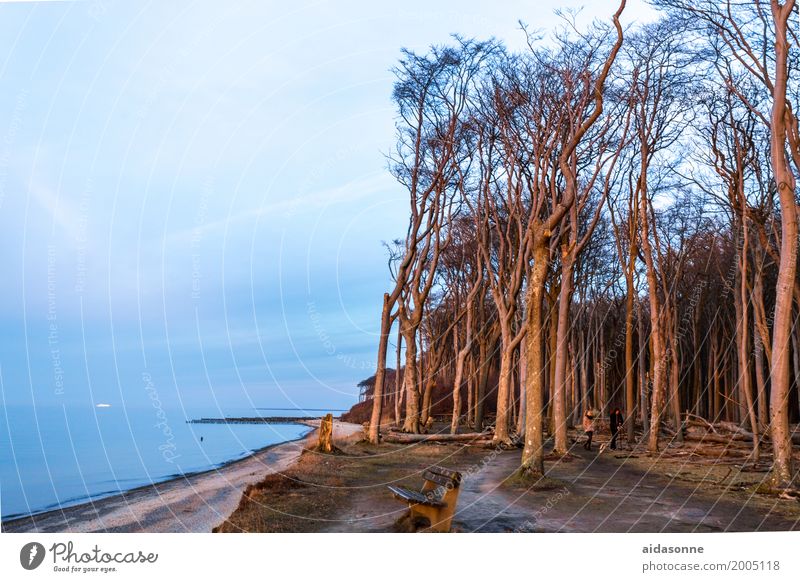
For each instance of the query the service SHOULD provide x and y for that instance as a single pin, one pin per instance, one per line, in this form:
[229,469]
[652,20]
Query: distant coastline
[254,420]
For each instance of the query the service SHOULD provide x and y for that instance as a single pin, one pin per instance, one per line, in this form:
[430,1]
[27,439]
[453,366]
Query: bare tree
[500,217]
[431,95]
[658,93]
[585,93]
[755,37]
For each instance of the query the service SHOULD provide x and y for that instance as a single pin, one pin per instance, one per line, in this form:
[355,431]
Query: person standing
[588,428]
[615,423]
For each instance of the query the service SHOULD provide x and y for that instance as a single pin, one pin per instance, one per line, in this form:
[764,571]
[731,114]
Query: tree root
[504,443]
[534,480]
[564,457]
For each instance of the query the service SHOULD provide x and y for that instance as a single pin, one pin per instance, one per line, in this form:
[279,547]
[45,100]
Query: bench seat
[410,495]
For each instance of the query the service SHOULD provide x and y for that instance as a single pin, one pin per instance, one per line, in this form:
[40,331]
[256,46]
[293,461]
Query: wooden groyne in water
[254,420]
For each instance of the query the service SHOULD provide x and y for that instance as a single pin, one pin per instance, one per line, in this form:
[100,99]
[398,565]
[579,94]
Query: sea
[58,456]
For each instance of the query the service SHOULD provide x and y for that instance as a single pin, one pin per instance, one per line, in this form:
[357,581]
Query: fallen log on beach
[406,438]
[694,434]
[254,420]
[726,432]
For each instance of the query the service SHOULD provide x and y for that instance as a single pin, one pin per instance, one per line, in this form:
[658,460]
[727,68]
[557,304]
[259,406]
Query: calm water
[57,456]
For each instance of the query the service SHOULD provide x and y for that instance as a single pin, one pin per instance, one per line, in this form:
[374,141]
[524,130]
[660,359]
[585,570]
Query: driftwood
[725,432]
[695,434]
[254,420]
[668,429]
[404,438]
[325,440]
[711,452]
[735,428]
[694,420]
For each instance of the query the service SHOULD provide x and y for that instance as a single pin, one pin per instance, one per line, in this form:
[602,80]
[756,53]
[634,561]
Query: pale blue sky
[197,191]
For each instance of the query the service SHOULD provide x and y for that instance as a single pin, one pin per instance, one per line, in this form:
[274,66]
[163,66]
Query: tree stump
[325,441]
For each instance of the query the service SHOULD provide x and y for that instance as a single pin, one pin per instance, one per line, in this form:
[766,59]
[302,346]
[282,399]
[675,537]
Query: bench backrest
[441,484]
[454,475]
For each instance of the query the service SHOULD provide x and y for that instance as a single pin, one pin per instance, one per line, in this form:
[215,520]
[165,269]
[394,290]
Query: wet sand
[193,503]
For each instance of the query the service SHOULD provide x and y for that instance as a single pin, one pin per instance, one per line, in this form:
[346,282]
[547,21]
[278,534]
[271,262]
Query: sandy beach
[193,503]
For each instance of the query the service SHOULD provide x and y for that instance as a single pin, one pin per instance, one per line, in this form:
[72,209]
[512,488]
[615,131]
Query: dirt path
[590,493]
[603,493]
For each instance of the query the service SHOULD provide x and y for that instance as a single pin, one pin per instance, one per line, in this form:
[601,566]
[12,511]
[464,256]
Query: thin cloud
[351,191]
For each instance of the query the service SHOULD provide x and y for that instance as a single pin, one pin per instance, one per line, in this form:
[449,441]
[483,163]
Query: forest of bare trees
[605,219]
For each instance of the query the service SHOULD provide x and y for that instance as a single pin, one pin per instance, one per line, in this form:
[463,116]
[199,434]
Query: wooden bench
[436,501]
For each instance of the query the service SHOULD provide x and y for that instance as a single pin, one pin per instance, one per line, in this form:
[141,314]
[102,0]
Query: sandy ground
[612,491]
[194,503]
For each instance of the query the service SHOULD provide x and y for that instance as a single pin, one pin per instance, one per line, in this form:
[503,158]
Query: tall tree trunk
[602,400]
[715,400]
[484,363]
[398,387]
[533,451]
[562,339]
[594,399]
[758,354]
[744,354]
[729,378]
[550,376]
[697,365]
[742,358]
[523,376]
[675,375]
[501,435]
[461,356]
[630,372]
[644,401]
[782,468]
[796,362]
[585,404]
[576,386]
[427,399]
[512,398]
[420,379]
[380,372]
[470,391]
[709,392]
[411,423]
[571,398]
[655,335]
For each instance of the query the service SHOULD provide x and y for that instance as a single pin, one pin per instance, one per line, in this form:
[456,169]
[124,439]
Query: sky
[194,194]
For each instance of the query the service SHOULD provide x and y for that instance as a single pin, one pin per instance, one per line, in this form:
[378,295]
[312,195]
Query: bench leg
[439,517]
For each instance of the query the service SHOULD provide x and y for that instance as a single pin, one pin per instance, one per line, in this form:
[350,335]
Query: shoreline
[192,502]
[101,497]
